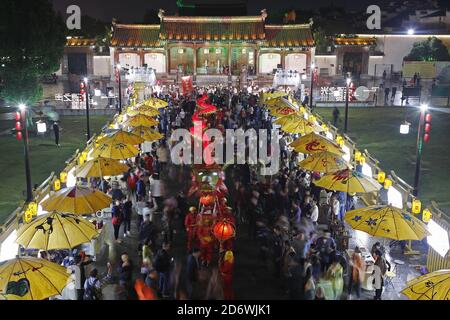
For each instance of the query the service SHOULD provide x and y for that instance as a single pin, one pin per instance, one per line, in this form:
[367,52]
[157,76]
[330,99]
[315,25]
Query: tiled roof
[80,42]
[212,28]
[354,41]
[290,35]
[136,35]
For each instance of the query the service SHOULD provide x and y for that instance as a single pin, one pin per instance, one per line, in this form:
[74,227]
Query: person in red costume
[205,222]
[226,270]
[190,223]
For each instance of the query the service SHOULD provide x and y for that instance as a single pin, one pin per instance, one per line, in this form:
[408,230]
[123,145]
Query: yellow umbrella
[55,231]
[147,134]
[280,107]
[77,200]
[121,136]
[268,96]
[100,167]
[290,118]
[28,278]
[431,286]
[313,143]
[118,151]
[141,120]
[155,103]
[348,181]
[387,221]
[145,111]
[301,126]
[324,162]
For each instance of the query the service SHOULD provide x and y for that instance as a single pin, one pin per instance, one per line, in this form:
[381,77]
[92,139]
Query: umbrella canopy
[147,134]
[29,278]
[118,151]
[141,120]
[301,126]
[313,143]
[155,103]
[121,136]
[267,96]
[100,167]
[146,111]
[54,231]
[387,221]
[77,200]
[324,162]
[432,286]
[290,118]
[280,107]
[348,181]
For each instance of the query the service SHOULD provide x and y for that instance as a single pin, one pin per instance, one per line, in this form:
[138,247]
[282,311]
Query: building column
[229,64]
[257,61]
[141,57]
[283,58]
[167,56]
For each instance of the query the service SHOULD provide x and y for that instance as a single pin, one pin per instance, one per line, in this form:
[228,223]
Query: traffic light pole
[88,126]
[27,158]
[419,148]
[312,87]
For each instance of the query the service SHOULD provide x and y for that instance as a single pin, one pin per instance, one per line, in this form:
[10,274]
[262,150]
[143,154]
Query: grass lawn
[45,157]
[377,130]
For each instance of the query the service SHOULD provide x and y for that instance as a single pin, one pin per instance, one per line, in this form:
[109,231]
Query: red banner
[187,85]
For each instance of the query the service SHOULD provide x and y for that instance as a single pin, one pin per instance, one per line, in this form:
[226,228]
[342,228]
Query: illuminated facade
[213,45]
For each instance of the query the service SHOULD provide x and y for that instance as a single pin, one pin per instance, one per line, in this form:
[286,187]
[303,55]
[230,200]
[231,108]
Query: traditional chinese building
[205,46]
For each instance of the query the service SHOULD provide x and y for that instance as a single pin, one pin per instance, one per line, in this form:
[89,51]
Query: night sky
[133,10]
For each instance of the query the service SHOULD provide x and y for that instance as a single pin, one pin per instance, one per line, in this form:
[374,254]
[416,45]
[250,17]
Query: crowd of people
[295,226]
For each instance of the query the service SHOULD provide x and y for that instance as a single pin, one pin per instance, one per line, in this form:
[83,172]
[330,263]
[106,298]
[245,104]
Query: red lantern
[207,200]
[223,230]
[19,135]
[17,116]
[18,126]
[426,137]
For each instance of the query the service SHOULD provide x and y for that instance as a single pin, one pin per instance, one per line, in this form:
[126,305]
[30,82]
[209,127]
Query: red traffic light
[426,137]
[17,116]
[428,117]
[18,126]
[19,135]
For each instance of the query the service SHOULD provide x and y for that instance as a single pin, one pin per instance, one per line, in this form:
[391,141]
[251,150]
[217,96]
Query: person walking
[335,116]
[386,95]
[379,270]
[162,264]
[192,270]
[357,265]
[56,132]
[127,213]
[125,272]
[79,273]
[117,218]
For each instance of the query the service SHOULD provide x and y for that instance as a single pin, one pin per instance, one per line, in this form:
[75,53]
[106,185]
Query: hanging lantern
[32,208]
[302,109]
[63,177]
[18,126]
[357,155]
[84,155]
[56,185]
[41,127]
[207,200]
[426,215]
[27,216]
[362,160]
[311,118]
[381,177]
[223,230]
[17,116]
[387,183]
[325,127]
[416,206]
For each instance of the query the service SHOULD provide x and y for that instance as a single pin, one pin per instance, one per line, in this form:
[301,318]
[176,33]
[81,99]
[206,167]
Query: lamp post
[348,80]
[23,111]
[88,127]
[120,86]
[312,85]
[419,147]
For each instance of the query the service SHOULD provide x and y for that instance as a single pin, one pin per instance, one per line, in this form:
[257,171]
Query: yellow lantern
[56,185]
[32,208]
[357,155]
[362,160]
[416,206]
[426,215]
[341,142]
[381,177]
[325,127]
[387,183]
[63,177]
[302,110]
[312,118]
[27,216]
[84,155]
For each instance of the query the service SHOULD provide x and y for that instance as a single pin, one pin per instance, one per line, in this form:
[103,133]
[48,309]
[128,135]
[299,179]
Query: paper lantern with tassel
[426,215]
[223,230]
[416,206]
[381,177]
[387,183]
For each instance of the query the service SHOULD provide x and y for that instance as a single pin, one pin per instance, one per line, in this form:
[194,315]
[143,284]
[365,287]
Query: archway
[268,62]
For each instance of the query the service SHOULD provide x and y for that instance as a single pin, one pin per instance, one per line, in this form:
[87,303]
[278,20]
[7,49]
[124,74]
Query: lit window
[180,51]
[205,51]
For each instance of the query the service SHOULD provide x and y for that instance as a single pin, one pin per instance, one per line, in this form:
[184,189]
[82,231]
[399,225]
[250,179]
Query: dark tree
[432,49]
[32,41]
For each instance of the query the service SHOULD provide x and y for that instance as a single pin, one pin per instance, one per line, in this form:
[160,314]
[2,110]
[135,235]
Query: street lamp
[23,111]
[88,127]
[118,66]
[419,147]
[410,31]
[312,85]
[348,81]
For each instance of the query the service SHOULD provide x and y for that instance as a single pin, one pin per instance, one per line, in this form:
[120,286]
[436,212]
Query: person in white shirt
[314,211]
[335,207]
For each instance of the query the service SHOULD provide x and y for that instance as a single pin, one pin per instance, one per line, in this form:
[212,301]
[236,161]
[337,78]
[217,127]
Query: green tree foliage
[31,46]
[431,49]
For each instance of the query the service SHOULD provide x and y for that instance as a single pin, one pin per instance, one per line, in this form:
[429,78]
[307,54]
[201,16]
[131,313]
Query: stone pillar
[257,61]
[141,57]
[167,56]
[283,59]
[229,64]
